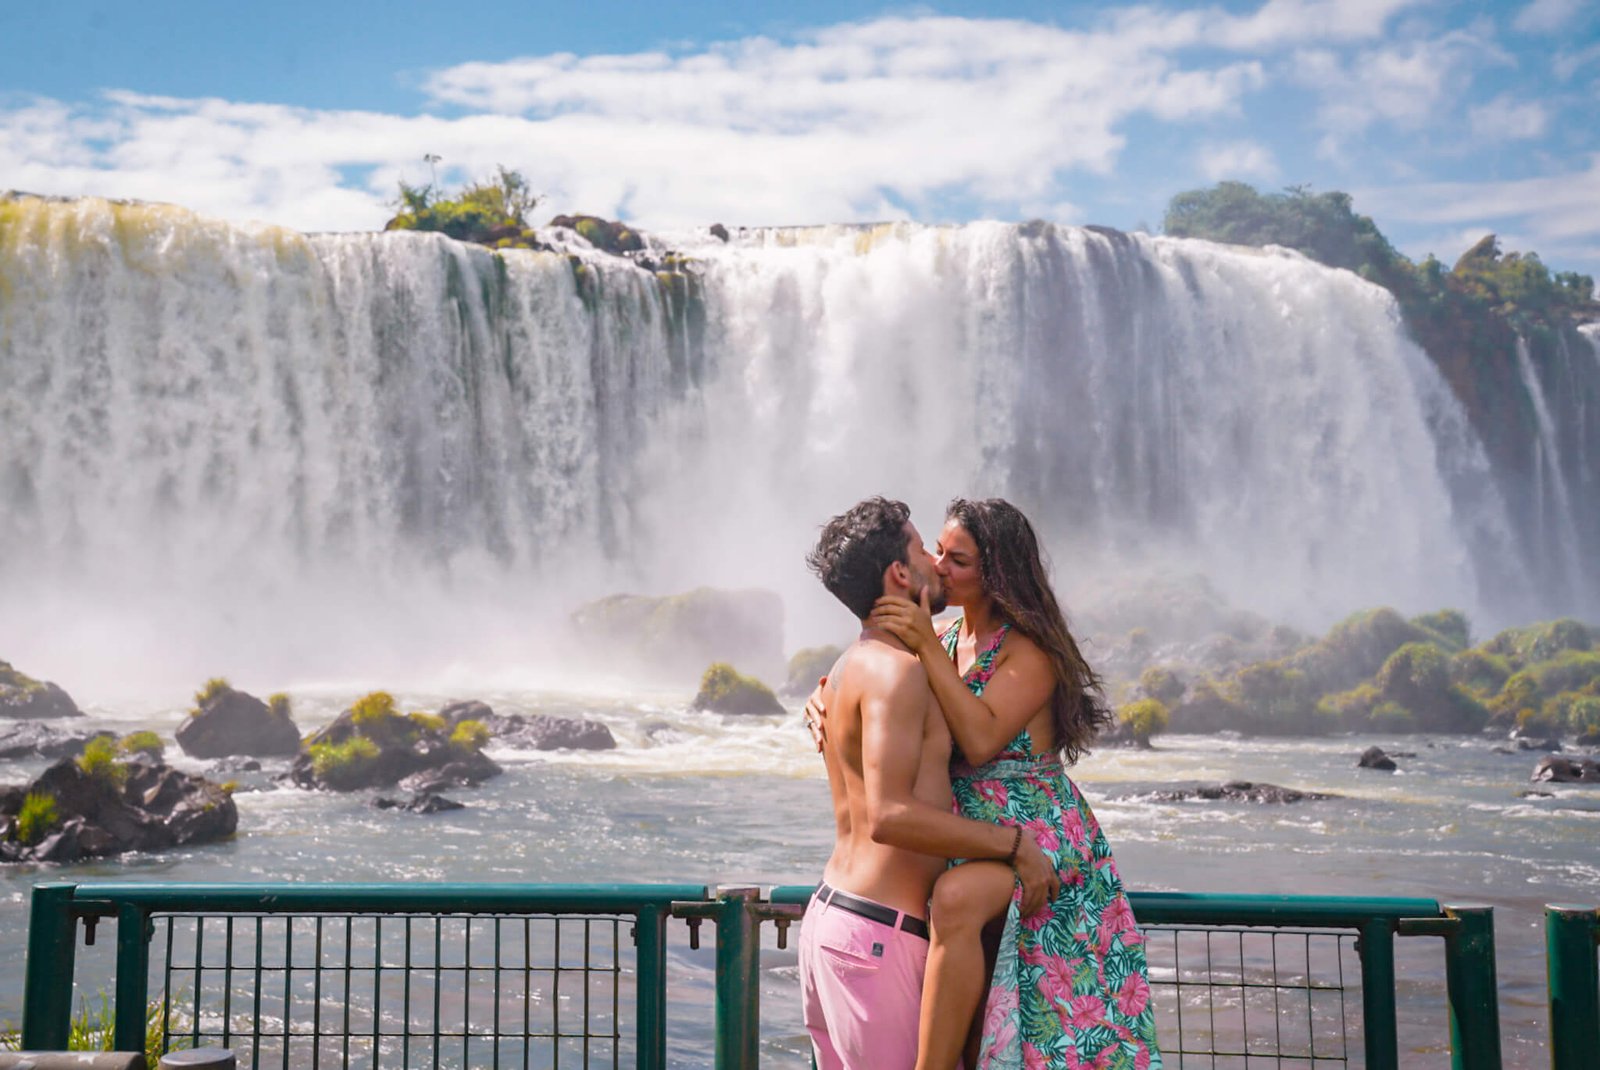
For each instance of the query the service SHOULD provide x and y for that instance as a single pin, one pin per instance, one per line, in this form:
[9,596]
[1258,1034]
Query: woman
[1069,985]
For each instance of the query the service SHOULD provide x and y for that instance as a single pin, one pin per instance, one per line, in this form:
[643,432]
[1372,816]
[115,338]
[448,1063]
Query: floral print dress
[1070,986]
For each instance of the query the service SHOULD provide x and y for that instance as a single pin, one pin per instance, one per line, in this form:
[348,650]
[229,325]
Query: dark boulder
[230,722]
[807,666]
[534,731]
[607,235]
[1546,746]
[136,806]
[1555,769]
[31,739]
[719,231]
[1239,791]
[235,764]
[23,697]
[419,803]
[725,690]
[1374,758]
[371,746]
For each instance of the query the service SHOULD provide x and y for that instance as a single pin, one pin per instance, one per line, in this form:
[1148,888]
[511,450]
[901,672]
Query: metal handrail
[1572,950]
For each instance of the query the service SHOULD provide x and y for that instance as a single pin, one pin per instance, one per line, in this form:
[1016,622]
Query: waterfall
[1553,512]
[378,444]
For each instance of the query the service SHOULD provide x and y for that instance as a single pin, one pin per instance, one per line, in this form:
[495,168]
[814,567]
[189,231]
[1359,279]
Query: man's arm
[891,750]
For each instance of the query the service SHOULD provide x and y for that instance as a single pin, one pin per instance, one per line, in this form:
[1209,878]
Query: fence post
[1570,933]
[650,937]
[1473,988]
[47,987]
[1380,1033]
[738,979]
[133,979]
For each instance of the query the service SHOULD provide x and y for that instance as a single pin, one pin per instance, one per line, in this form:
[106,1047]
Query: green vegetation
[11,679]
[1376,670]
[493,211]
[428,722]
[99,762]
[94,1030]
[1326,228]
[213,687]
[1144,718]
[470,736]
[1161,685]
[278,705]
[147,743]
[37,818]
[723,689]
[341,764]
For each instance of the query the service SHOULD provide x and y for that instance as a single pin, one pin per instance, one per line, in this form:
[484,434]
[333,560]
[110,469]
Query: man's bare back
[891,684]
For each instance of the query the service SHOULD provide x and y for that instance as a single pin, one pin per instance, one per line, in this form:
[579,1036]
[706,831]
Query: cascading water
[320,453]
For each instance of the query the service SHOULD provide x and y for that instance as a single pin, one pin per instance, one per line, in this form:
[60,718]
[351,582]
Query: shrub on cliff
[1416,678]
[146,743]
[487,211]
[99,762]
[37,818]
[1163,685]
[1540,642]
[344,766]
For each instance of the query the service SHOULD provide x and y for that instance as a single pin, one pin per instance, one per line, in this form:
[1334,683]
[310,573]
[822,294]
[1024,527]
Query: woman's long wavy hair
[1012,569]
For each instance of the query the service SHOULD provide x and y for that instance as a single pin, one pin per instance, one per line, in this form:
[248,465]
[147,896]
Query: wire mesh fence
[412,990]
[1232,998]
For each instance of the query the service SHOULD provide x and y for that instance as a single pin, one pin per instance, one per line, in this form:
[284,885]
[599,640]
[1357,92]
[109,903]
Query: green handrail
[1571,935]
[738,912]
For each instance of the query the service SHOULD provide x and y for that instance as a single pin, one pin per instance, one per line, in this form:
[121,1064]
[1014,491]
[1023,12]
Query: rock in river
[229,722]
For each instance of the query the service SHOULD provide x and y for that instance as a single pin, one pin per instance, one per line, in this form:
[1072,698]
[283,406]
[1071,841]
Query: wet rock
[136,806]
[719,231]
[611,236]
[23,697]
[534,731]
[235,764]
[1556,769]
[1591,738]
[230,722]
[1530,793]
[1374,758]
[1239,791]
[725,690]
[32,739]
[419,803]
[1547,746]
[380,748]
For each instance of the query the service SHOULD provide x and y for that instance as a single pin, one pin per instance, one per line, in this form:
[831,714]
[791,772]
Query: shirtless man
[864,941]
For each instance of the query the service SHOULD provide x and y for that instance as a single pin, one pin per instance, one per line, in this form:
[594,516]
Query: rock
[467,773]
[133,806]
[1531,793]
[1591,738]
[604,234]
[533,732]
[235,764]
[230,722]
[542,732]
[31,739]
[1502,750]
[371,746]
[1374,758]
[1239,791]
[719,231]
[725,690]
[420,803]
[23,697]
[673,635]
[1555,769]
[807,666]
[1548,746]
[471,710]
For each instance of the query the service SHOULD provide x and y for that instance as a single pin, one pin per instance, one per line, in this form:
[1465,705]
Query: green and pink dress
[1070,986]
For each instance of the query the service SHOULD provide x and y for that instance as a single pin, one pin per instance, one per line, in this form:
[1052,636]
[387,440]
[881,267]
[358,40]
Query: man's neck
[881,636]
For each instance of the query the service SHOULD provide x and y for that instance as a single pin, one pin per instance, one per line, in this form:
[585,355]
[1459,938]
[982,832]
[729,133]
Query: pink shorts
[861,983]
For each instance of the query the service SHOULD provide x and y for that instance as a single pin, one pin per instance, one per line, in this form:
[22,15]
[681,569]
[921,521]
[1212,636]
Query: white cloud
[1504,119]
[1546,16]
[998,113]
[1237,160]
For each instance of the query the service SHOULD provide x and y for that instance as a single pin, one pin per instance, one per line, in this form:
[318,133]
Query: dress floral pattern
[1070,986]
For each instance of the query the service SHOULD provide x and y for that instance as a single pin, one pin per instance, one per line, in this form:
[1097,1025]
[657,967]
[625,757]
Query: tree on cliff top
[492,207]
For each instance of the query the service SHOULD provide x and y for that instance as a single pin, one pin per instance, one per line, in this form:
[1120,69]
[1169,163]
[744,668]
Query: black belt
[873,911]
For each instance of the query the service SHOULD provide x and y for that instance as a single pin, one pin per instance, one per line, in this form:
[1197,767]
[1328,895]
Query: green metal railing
[1572,950]
[436,974]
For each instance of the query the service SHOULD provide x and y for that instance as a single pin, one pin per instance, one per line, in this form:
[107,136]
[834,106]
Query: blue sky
[1445,120]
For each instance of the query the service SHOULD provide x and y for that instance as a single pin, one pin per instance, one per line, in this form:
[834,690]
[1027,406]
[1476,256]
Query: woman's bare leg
[964,900]
[991,951]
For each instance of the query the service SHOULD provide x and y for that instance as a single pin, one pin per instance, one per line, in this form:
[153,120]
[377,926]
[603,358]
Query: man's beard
[936,602]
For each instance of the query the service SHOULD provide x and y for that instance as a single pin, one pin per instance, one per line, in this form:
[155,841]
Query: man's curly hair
[855,548]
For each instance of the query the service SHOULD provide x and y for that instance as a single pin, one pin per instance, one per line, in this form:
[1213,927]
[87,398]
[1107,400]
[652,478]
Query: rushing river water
[701,798]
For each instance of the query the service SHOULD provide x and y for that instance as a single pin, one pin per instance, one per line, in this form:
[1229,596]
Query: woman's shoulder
[1021,650]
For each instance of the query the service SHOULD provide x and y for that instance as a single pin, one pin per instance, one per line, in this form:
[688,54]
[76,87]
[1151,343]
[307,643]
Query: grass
[36,818]
[336,762]
[93,1030]
[99,761]
[470,736]
[143,743]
